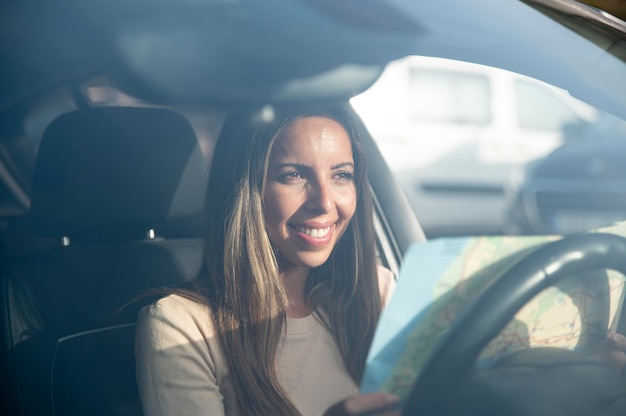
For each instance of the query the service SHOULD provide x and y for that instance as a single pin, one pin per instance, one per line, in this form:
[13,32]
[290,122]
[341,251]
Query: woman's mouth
[314,236]
[314,232]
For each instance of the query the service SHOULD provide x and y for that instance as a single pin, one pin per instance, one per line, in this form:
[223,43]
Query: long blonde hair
[241,282]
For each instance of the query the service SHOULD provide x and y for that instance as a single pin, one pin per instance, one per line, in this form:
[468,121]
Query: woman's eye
[291,176]
[344,176]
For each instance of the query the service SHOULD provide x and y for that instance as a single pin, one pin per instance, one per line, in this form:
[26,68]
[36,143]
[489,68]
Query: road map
[441,277]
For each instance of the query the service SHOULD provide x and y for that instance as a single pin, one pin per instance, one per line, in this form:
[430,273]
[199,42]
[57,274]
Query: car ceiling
[286,51]
[212,50]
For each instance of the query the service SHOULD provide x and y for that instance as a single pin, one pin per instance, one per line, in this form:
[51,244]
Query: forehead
[313,136]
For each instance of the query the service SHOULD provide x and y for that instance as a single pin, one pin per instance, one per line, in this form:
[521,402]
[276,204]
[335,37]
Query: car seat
[124,188]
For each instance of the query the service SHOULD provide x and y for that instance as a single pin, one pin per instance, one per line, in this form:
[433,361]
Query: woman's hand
[380,404]
[613,352]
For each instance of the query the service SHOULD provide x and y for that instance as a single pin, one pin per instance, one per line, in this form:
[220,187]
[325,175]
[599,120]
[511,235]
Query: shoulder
[177,316]
[180,365]
[176,305]
[386,284]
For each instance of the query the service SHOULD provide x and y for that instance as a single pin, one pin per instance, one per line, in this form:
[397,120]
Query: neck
[294,281]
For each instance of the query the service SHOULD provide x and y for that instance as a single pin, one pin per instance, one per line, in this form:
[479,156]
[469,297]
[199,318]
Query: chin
[312,261]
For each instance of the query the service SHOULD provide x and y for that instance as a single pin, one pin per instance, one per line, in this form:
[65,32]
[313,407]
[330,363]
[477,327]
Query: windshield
[469,144]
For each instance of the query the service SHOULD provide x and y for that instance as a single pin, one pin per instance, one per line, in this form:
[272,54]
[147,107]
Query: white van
[467,126]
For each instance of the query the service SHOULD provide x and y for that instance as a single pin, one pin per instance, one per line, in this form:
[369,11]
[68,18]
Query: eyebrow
[343,165]
[300,166]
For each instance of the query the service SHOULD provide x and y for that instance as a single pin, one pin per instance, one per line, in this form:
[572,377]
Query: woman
[281,321]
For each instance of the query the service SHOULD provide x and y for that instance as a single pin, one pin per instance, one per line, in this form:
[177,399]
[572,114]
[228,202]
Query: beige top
[181,369]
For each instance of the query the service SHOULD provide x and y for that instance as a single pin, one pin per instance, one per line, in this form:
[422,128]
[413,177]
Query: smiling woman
[250,336]
[309,196]
[281,321]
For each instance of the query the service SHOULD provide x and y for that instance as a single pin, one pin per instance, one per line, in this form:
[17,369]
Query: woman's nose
[320,197]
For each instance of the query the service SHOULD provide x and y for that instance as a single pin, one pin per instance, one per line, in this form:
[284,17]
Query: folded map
[441,277]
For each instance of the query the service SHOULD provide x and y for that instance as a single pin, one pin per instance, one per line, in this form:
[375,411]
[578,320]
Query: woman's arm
[176,372]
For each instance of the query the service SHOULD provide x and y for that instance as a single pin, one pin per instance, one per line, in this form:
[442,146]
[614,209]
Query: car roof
[238,52]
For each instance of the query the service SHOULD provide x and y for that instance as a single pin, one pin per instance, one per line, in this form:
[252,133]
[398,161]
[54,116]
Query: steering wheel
[455,357]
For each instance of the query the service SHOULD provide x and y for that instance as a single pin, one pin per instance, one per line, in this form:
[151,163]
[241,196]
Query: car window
[450,96]
[540,109]
[459,136]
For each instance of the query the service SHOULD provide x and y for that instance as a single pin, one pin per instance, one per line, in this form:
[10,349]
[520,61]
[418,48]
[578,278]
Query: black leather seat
[104,178]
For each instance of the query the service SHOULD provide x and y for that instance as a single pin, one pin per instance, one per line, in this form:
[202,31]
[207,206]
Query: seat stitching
[95,331]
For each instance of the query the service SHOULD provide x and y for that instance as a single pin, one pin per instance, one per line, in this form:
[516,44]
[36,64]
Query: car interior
[130,222]
[69,312]
[105,149]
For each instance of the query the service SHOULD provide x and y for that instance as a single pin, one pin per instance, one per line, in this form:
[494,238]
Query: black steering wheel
[455,357]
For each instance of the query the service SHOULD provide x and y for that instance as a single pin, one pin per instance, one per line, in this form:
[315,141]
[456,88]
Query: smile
[314,232]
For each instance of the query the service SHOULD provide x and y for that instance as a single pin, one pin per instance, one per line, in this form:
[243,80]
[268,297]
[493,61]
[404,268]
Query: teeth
[314,232]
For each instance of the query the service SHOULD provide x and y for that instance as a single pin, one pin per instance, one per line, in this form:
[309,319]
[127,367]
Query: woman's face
[310,194]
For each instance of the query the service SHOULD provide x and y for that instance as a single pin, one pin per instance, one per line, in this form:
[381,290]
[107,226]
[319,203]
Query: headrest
[113,173]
